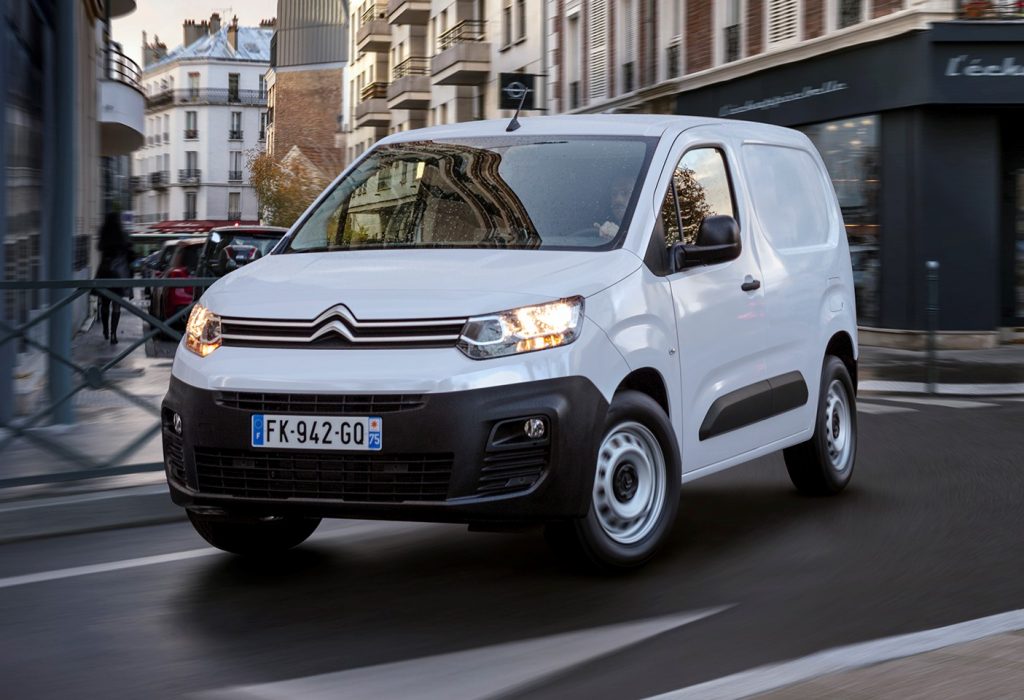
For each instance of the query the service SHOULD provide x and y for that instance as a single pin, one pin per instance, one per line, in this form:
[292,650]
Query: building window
[193,86]
[573,68]
[732,31]
[672,61]
[234,206]
[627,44]
[263,88]
[849,148]
[191,163]
[233,87]
[783,21]
[191,125]
[263,125]
[506,24]
[234,166]
[235,133]
[190,206]
[521,19]
[850,13]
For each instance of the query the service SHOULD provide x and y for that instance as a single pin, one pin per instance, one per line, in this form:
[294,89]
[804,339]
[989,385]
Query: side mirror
[718,240]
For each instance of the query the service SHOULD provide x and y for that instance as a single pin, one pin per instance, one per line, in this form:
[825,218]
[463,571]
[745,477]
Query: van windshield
[514,192]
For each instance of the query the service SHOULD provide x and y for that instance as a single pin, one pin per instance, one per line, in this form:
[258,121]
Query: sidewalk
[996,371]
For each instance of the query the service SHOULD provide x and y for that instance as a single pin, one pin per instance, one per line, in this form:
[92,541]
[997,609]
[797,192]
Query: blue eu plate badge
[373,433]
[257,430]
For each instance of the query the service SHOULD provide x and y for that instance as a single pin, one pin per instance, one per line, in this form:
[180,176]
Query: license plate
[362,433]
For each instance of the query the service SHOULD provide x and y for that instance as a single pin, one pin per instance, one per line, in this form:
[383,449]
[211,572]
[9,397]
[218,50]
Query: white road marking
[881,408]
[361,529]
[774,676]
[486,672]
[945,403]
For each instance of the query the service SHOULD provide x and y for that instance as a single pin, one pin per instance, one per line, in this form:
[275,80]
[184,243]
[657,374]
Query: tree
[284,189]
[693,208]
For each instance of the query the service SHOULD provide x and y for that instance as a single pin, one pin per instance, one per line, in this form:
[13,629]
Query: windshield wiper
[316,249]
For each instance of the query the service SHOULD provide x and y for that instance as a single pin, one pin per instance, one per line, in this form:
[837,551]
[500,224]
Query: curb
[874,386]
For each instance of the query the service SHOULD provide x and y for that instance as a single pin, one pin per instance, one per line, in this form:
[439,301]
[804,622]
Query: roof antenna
[511,90]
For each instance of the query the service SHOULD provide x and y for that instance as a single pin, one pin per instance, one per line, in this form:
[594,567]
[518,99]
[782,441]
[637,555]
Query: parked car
[559,326]
[231,247]
[182,260]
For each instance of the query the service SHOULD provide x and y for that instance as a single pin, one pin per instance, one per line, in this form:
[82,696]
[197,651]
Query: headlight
[524,329]
[202,334]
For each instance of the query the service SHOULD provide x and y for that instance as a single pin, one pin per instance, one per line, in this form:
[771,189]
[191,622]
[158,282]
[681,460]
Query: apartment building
[305,83]
[915,106]
[206,112]
[416,63]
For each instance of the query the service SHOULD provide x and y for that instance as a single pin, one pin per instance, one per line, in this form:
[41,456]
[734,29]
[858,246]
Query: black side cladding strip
[754,403]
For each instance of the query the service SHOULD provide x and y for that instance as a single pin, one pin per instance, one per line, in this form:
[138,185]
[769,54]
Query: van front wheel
[823,465]
[636,488]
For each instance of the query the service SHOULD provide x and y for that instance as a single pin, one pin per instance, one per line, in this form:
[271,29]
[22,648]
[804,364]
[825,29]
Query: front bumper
[446,457]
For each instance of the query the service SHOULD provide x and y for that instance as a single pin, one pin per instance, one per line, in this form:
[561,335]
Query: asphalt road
[930,532]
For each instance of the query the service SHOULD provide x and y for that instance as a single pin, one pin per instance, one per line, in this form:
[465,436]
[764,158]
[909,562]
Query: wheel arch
[649,381]
[841,346]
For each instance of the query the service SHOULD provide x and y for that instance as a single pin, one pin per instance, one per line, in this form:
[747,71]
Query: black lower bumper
[452,457]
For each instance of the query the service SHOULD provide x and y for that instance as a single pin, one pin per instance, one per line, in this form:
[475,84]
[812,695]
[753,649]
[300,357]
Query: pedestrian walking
[115,263]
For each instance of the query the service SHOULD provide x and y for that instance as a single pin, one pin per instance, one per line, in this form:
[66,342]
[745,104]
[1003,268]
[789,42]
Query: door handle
[750,284]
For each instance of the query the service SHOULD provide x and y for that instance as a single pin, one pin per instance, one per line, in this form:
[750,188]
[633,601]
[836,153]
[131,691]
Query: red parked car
[167,301]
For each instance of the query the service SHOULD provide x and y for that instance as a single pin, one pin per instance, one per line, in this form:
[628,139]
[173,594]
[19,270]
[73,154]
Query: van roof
[655,125]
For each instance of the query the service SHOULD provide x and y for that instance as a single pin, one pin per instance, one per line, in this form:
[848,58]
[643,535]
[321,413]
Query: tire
[253,537]
[635,493]
[823,465]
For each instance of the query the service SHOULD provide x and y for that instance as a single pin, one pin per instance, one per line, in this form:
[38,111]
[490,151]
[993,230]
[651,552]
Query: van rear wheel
[253,537]
[823,465]
[635,492]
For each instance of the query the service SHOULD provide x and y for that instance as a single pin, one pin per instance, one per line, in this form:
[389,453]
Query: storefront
[922,135]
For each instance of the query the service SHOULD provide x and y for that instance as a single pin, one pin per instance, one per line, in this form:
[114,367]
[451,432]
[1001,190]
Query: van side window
[701,188]
[789,195]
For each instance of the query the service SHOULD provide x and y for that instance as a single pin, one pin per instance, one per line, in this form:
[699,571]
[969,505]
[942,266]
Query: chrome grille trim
[339,322]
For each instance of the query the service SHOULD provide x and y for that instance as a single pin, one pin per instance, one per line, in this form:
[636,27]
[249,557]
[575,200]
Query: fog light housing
[176,422]
[535,428]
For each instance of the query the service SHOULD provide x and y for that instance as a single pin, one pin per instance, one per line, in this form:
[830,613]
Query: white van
[557,325]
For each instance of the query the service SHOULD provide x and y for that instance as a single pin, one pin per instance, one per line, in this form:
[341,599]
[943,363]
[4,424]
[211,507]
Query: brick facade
[698,35]
[881,8]
[814,18]
[755,27]
[306,108]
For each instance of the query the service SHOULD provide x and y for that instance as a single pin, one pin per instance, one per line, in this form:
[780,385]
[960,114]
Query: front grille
[174,455]
[338,327]
[365,478]
[320,404]
[513,470]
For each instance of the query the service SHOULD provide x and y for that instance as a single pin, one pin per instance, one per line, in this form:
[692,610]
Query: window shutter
[597,36]
[783,21]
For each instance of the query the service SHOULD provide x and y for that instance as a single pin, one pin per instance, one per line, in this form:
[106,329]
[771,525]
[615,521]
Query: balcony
[374,33]
[372,109]
[159,180]
[465,58]
[191,134]
[206,96]
[234,176]
[234,216]
[234,134]
[990,9]
[409,12]
[140,183]
[189,176]
[190,215]
[410,84]
[121,105]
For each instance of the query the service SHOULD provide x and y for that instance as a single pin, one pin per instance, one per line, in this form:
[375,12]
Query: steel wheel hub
[629,486]
[838,431]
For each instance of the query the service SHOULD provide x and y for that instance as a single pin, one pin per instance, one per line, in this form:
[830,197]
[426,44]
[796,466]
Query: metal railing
[414,65]
[372,12]
[467,30]
[190,176]
[139,183]
[65,386]
[234,175]
[234,216]
[234,134]
[191,134]
[206,96]
[373,90]
[158,179]
[990,9]
[122,69]
[628,76]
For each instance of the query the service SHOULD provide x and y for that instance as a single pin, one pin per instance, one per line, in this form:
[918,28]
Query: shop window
[849,148]
[789,196]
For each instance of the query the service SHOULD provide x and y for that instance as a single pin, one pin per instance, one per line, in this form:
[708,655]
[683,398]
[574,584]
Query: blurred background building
[305,83]
[73,111]
[206,112]
[915,105]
